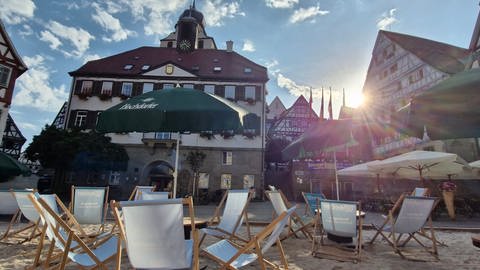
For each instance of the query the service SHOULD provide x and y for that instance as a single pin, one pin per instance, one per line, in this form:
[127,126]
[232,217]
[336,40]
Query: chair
[73,248]
[339,220]
[8,205]
[234,204]
[89,205]
[312,202]
[280,204]
[232,256]
[421,192]
[147,226]
[153,195]
[394,210]
[414,214]
[26,209]
[476,241]
[137,191]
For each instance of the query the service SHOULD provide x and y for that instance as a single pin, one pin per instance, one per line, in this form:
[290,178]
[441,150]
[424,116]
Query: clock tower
[187,28]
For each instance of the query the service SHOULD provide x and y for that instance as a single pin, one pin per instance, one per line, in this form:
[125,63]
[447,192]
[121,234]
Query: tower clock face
[185,45]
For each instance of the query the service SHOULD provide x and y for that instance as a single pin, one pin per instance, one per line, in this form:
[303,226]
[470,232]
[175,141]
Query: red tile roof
[199,62]
[444,57]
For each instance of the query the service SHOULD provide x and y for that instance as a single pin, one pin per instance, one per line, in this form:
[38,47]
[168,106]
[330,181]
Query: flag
[321,108]
[330,113]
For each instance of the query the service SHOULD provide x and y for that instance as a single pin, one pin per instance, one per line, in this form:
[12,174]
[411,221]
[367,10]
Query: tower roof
[190,13]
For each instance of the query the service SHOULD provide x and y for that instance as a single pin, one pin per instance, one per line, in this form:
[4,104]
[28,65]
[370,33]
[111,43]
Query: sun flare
[356,100]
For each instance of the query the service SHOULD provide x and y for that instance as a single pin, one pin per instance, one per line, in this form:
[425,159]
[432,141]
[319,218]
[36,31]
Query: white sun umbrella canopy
[420,164]
[475,164]
[361,169]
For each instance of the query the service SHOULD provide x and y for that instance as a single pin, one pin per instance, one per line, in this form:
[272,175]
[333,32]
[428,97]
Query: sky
[305,44]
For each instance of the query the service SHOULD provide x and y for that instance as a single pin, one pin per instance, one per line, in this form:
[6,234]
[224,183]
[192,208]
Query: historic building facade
[189,58]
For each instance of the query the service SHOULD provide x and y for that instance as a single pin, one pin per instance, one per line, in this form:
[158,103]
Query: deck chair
[414,214]
[280,204]
[339,218]
[232,256]
[312,202]
[8,205]
[421,192]
[137,192]
[26,209]
[89,205]
[234,204]
[153,195]
[394,212]
[71,246]
[153,233]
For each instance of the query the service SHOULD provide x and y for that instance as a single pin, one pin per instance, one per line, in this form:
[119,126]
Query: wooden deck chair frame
[216,219]
[254,245]
[312,198]
[67,247]
[395,241]
[295,219]
[33,221]
[324,248]
[115,206]
[73,202]
[391,213]
[134,195]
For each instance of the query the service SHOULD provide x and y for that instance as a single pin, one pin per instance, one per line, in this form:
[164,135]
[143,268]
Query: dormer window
[4,75]
[217,69]
[247,70]
[145,67]
[128,67]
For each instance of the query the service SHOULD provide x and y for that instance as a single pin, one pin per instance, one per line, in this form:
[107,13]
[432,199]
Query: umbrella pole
[336,175]
[175,173]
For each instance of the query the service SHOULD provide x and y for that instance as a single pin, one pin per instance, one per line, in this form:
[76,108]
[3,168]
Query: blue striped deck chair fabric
[234,205]
[232,256]
[296,224]
[414,215]
[71,246]
[339,219]
[148,225]
[153,195]
[137,192]
[26,209]
[312,202]
[89,205]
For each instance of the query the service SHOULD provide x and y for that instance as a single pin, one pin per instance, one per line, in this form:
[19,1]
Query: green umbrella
[449,110]
[176,110]
[11,167]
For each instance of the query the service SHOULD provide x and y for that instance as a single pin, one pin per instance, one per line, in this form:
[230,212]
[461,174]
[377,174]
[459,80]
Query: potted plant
[448,192]
[227,134]
[207,135]
[251,101]
[83,96]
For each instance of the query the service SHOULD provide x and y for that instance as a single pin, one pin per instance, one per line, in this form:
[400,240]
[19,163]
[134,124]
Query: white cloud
[158,15]
[26,125]
[26,31]
[77,37]
[248,46]
[215,11]
[281,3]
[292,87]
[387,19]
[90,57]
[35,89]
[48,37]
[272,67]
[114,7]
[111,24]
[17,11]
[303,14]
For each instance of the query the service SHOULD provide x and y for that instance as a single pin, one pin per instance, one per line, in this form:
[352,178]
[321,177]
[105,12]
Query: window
[389,51]
[200,44]
[86,87]
[250,92]
[226,181]
[393,68]
[188,85]
[4,75]
[227,158]
[203,180]
[128,67]
[145,67]
[127,89]
[169,44]
[107,88]
[80,119]
[163,135]
[247,70]
[114,179]
[415,76]
[217,69]
[167,85]
[230,91]
[147,87]
[209,89]
[248,181]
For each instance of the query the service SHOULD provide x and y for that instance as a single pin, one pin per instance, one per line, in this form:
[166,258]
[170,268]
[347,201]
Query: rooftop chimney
[229,46]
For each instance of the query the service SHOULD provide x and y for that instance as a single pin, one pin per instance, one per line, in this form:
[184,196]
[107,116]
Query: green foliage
[195,160]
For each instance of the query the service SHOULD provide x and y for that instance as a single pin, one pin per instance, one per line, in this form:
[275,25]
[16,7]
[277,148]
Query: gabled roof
[199,62]
[276,108]
[301,100]
[444,57]
[12,51]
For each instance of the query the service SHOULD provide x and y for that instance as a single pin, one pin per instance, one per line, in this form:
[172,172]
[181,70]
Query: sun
[356,99]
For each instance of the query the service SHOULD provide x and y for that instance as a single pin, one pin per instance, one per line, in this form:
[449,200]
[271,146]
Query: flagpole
[175,173]
[336,175]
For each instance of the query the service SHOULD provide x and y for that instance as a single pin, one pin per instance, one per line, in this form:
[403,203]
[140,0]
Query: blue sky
[304,43]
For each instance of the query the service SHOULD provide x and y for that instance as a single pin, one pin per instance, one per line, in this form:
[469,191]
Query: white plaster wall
[3,119]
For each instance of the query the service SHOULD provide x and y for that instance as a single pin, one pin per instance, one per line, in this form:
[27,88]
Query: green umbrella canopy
[11,167]
[449,110]
[173,110]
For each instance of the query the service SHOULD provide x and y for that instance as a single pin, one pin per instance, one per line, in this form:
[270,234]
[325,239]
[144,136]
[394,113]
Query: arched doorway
[159,173]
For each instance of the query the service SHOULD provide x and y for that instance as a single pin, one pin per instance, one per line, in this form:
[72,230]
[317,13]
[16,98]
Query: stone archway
[160,174]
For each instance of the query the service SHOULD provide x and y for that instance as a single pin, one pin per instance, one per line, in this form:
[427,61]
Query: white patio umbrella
[421,164]
[362,170]
[475,164]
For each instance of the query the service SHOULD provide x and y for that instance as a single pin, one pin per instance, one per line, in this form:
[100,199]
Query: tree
[195,160]
[75,150]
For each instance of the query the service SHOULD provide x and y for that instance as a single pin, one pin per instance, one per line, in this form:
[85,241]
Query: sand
[460,254]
